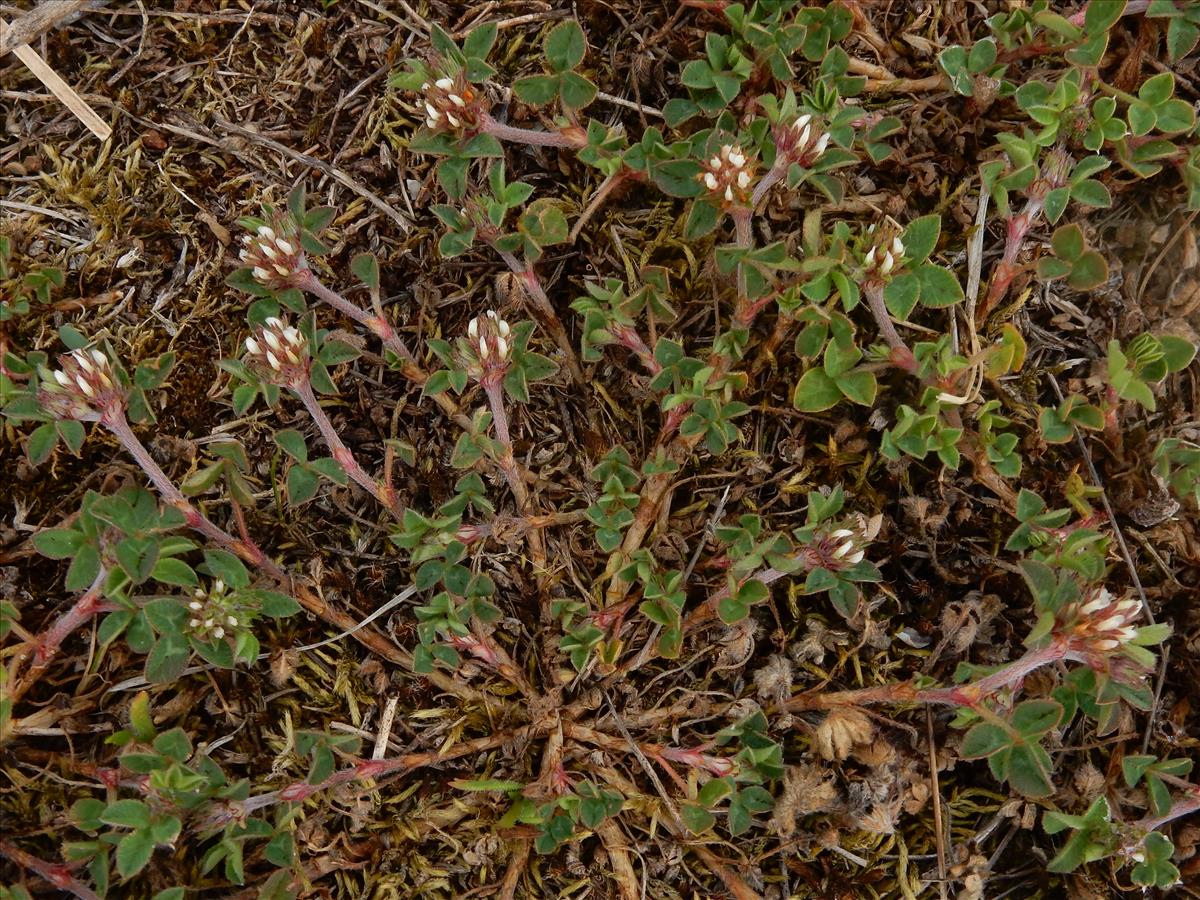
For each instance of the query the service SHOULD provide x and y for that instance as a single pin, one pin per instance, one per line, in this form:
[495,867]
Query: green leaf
[127,814]
[1090,271]
[697,819]
[537,90]
[83,569]
[167,658]
[1029,770]
[565,46]
[366,267]
[859,387]
[1092,192]
[1157,89]
[292,443]
[58,543]
[302,485]
[41,443]
[921,236]
[479,42]
[816,392]
[575,91]
[1068,243]
[1178,352]
[939,286]
[174,571]
[1036,717]
[133,852]
[983,740]
[901,294]
[224,565]
[702,218]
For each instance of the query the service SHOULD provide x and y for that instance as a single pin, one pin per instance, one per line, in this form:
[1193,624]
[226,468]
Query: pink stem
[380,326]
[114,420]
[533,287]
[343,454]
[571,137]
[902,356]
[46,647]
[56,874]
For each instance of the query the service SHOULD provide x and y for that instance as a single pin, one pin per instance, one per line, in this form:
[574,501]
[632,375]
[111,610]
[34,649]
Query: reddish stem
[382,329]
[45,648]
[571,137]
[343,454]
[1006,269]
[57,874]
[533,288]
[114,420]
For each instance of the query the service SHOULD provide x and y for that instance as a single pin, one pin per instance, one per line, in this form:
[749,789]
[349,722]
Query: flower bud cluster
[488,337]
[278,351]
[803,142]
[215,613]
[84,388]
[845,544]
[451,103]
[273,254]
[1103,623]
[729,175]
[886,252]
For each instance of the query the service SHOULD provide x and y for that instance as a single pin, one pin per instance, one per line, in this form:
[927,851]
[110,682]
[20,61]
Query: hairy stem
[902,356]
[384,493]
[383,330]
[57,874]
[512,470]
[45,648]
[969,695]
[116,423]
[550,320]
[571,137]
[1006,269]
[311,600]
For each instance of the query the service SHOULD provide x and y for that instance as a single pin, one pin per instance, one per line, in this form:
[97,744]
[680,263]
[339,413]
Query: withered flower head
[274,254]
[278,352]
[84,388]
[729,175]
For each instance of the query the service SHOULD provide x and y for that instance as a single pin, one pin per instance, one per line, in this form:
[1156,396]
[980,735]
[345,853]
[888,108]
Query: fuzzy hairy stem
[1006,269]
[45,648]
[570,137]
[545,309]
[512,470]
[901,356]
[299,791]
[384,493]
[382,329]
[968,695]
[116,423]
[57,874]
[311,600]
